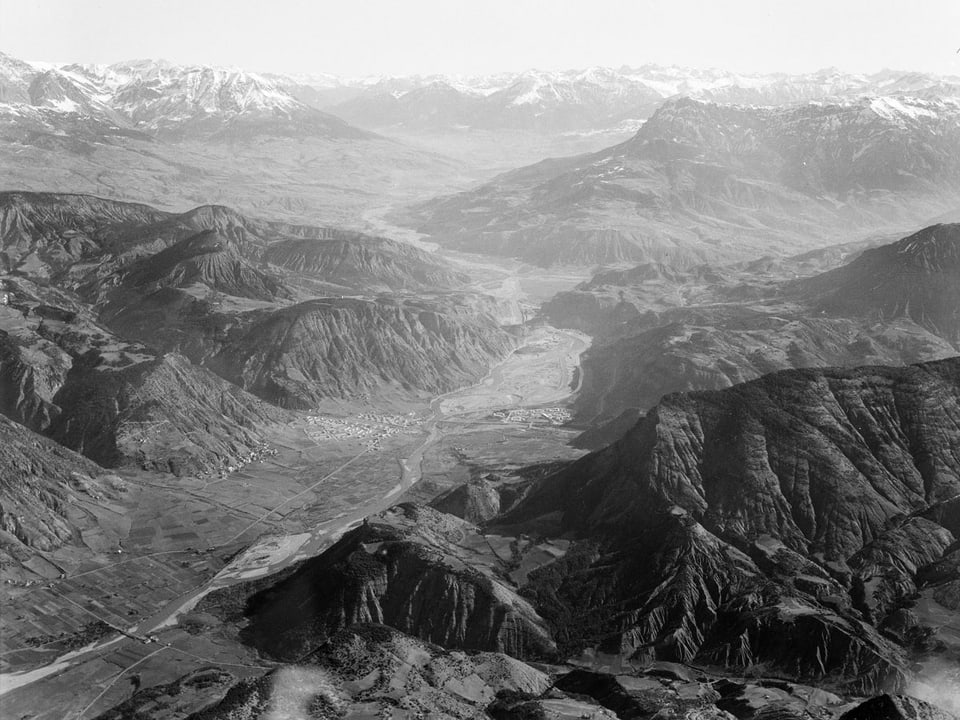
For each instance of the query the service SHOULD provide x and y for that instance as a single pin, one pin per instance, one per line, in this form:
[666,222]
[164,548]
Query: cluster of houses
[554,415]
[373,427]
[260,452]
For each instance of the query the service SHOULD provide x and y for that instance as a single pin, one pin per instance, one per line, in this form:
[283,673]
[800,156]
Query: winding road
[540,371]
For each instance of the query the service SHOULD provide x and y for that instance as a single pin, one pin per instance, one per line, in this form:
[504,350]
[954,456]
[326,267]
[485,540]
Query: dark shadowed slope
[403,568]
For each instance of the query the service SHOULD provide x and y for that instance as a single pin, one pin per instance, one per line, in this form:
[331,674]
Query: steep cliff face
[341,348]
[769,524]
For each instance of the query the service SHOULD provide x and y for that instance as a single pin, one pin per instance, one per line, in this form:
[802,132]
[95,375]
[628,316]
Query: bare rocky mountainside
[790,521]
[703,182]
[661,329]
[43,489]
[284,146]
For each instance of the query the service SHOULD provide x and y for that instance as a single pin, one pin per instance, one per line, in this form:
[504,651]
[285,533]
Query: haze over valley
[626,390]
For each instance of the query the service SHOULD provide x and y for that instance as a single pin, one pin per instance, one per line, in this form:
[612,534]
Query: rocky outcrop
[353,260]
[60,235]
[662,331]
[404,568]
[476,501]
[735,458]
[760,525]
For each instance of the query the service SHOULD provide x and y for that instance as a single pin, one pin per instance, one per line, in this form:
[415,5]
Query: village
[554,415]
[371,427]
[261,452]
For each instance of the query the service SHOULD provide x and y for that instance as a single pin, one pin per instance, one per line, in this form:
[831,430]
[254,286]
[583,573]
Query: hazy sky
[360,37]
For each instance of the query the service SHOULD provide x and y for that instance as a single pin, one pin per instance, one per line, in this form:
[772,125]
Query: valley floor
[132,612]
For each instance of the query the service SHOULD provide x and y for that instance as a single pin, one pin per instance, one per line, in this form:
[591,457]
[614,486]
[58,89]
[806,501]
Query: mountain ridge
[701,182]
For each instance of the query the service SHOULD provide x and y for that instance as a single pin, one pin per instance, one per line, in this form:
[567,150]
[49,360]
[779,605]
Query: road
[539,372]
[524,378]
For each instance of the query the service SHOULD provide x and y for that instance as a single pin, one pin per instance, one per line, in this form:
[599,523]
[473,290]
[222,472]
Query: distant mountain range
[185,136]
[769,523]
[164,100]
[579,100]
[181,136]
[162,97]
[701,182]
[713,327]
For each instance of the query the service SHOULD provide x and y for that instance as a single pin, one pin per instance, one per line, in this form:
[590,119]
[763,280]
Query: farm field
[123,613]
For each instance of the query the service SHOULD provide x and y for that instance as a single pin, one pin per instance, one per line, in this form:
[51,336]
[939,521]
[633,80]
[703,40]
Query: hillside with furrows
[339,348]
[293,313]
[118,402]
[353,260]
[759,524]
